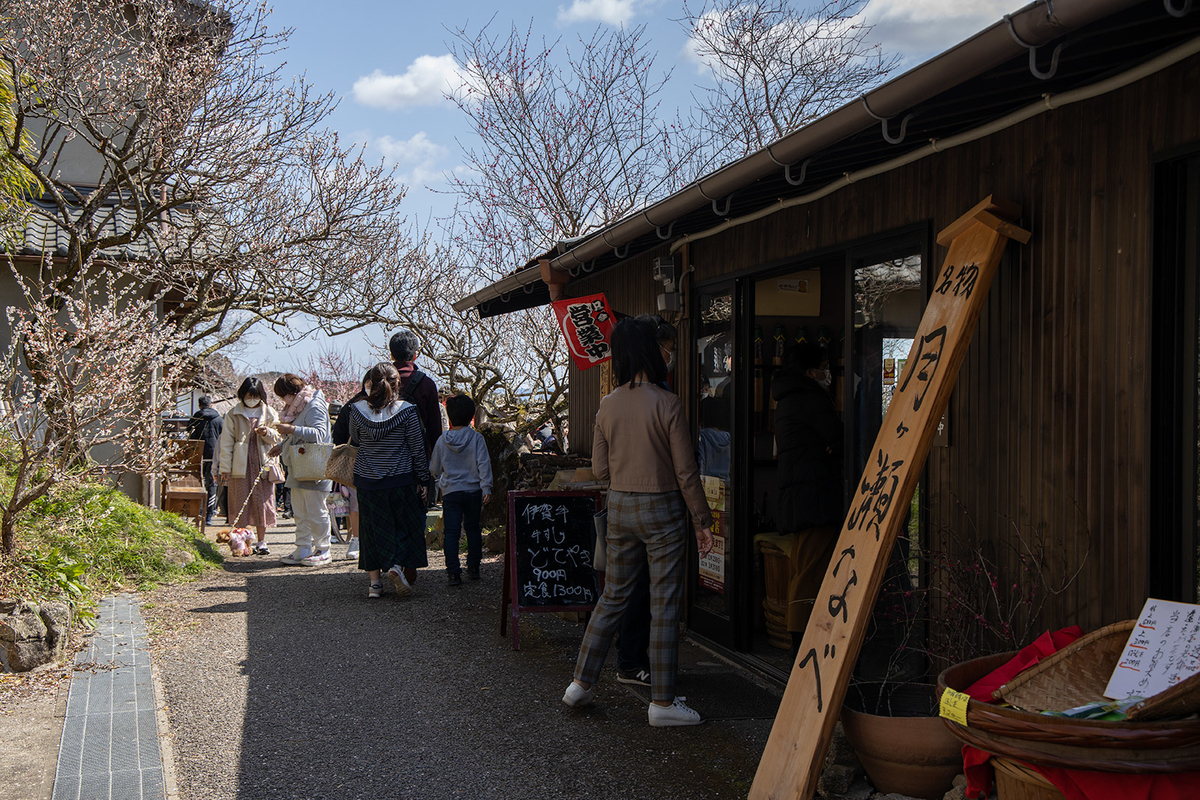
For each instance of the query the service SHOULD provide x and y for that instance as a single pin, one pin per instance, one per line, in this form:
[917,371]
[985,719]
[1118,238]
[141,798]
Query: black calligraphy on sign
[585,317]
[925,364]
[837,602]
[875,496]
[849,551]
[960,285]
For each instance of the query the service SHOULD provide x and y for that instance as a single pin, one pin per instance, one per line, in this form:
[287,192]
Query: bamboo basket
[1079,673]
[1126,746]
[1016,781]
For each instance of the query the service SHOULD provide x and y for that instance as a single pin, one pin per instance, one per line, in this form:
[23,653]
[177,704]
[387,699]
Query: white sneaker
[403,587]
[578,697]
[673,715]
[316,559]
[295,557]
[352,550]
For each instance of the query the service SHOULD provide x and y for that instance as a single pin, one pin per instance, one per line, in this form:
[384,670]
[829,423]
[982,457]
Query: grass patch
[81,542]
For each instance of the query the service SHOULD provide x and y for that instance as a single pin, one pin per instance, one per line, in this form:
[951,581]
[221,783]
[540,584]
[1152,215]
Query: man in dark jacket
[808,433]
[206,424]
[418,388]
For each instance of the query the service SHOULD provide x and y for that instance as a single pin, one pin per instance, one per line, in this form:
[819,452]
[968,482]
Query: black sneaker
[455,579]
[636,677]
[473,573]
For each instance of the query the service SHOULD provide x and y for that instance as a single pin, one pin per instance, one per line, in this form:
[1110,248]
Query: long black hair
[252,387]
[635,350]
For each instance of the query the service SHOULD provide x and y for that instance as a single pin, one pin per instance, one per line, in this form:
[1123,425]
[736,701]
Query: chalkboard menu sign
[548,557]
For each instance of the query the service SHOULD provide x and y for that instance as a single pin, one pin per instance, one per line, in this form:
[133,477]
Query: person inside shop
[808,435]
[713,453]
[206,425]
[392,477]
[304,420]
[418,388]
[643,446]
[341,435]
[247,436]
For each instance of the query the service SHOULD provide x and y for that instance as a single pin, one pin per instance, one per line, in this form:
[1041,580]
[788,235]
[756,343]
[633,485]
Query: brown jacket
[642,443]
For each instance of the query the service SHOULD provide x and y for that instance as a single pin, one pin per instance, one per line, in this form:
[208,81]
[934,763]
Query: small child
[463,470]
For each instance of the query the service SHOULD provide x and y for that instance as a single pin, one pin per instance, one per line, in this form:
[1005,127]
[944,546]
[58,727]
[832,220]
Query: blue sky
[389,64]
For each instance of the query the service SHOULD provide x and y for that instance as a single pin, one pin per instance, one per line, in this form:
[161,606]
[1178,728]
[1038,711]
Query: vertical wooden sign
[795,751]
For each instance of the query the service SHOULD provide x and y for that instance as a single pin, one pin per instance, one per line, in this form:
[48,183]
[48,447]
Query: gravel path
[288,682]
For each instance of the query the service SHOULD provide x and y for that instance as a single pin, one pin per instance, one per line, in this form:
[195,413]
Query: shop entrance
[794,368]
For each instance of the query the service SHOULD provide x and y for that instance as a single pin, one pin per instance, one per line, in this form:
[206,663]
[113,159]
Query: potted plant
[939,607]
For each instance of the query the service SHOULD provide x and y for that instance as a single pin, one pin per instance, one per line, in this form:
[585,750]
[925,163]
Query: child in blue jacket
[463,470]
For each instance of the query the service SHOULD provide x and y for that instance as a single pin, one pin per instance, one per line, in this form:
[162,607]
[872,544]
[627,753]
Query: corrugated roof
[1119,39]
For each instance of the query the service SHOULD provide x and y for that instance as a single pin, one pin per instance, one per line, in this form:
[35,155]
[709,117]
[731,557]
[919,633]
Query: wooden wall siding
[1049,421]
[630,290]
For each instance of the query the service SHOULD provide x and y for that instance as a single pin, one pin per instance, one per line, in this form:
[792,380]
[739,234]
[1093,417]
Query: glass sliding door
[887,300]
[713,602]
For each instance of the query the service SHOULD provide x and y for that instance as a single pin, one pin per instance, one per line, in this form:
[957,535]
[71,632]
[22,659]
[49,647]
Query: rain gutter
[1036,24]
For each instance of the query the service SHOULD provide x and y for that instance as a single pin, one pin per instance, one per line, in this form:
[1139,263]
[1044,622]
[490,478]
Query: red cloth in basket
[1073,783]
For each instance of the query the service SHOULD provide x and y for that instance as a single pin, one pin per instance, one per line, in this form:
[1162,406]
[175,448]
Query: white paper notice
[1163,649]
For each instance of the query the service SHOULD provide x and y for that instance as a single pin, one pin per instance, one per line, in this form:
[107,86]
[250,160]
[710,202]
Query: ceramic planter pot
[901,741]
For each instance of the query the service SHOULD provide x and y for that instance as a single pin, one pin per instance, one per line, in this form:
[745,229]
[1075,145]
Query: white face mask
[251,402]
[669,357]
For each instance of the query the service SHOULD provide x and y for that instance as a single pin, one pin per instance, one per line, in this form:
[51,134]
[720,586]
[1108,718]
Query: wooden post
[795,752]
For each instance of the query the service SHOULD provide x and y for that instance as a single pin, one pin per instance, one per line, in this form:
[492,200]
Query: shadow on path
[330,695]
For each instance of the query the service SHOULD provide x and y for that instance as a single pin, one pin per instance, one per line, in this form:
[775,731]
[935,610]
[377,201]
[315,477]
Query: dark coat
[425,398]
[808,433]
[206,424]
[341,425]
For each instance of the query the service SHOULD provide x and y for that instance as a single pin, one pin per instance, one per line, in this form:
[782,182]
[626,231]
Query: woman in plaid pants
[643,446]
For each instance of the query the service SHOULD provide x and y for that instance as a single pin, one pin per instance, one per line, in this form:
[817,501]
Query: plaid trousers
[645,530]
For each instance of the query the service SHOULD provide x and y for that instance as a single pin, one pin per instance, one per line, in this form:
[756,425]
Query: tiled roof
[41,235]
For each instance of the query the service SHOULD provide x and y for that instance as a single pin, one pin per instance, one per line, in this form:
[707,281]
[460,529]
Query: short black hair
[635,350]
[804,356]
[403,346]
[460,409]
[204,401]
[252,387]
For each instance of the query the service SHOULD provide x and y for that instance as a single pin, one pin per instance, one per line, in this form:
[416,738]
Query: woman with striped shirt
[390,473]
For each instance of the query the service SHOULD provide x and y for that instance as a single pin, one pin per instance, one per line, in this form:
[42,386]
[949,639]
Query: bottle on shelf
[758,344]
[780,343]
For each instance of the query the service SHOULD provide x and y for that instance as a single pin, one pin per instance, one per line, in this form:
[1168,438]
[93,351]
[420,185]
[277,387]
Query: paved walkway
[110,746]
[289,682]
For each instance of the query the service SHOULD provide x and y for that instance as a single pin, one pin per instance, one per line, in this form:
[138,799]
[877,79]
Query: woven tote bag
[340,467]
[308,460]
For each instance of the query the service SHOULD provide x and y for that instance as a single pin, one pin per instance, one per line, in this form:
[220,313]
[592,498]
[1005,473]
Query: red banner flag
[586,323]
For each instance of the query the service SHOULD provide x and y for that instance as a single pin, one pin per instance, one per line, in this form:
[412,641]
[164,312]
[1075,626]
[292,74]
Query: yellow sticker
[954,706]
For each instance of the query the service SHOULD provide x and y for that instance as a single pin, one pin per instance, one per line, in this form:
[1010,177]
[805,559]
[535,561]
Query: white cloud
[922,28]
[417,156]
[612,12]
[426,82]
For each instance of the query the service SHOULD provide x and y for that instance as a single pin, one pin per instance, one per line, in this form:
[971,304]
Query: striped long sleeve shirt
[391,447]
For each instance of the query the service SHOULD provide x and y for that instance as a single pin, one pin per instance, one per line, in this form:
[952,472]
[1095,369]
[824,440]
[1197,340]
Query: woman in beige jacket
[643,445]
[249,433]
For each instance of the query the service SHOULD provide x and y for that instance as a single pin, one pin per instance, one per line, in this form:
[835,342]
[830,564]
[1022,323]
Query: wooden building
[1074,421]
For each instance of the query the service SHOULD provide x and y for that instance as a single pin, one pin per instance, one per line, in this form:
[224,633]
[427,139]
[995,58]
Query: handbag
[308,459]
[273,471]
[340,466]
